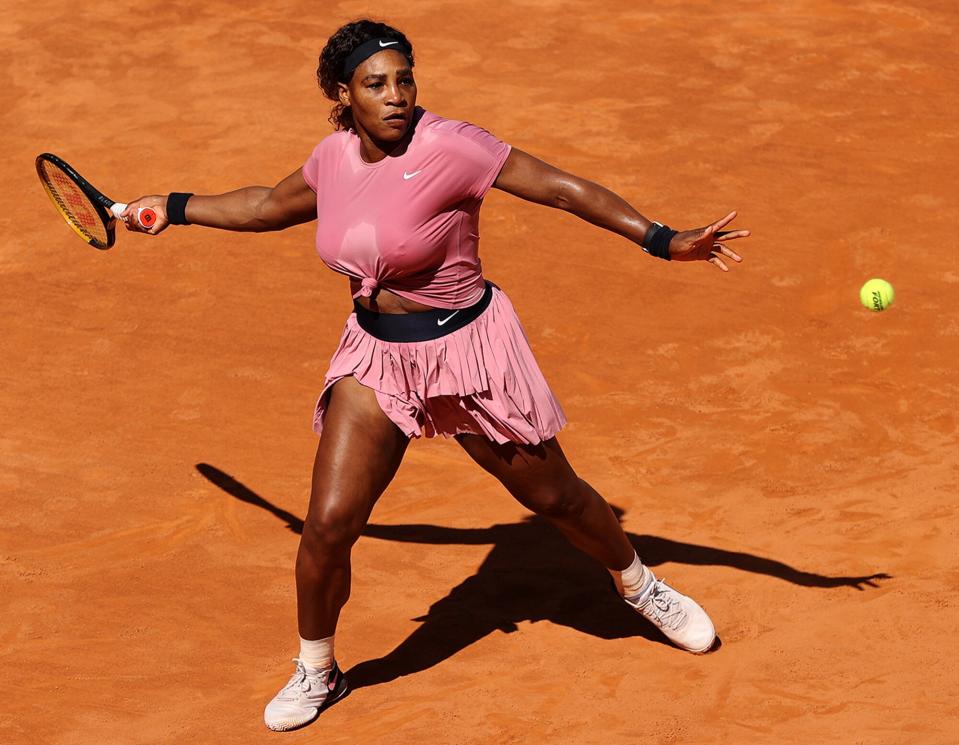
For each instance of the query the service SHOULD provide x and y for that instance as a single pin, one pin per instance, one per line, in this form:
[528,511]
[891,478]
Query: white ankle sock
[318,654]
[635,577]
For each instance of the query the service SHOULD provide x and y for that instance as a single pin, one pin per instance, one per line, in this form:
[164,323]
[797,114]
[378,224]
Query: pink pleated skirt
[481,379]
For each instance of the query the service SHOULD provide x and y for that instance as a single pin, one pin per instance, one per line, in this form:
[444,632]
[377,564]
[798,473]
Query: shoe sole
[713,644]
[341,693]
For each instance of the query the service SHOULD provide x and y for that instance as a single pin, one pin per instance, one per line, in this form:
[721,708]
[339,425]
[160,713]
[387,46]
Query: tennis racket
[91,215]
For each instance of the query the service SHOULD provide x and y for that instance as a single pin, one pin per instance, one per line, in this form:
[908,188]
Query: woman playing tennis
[432,346]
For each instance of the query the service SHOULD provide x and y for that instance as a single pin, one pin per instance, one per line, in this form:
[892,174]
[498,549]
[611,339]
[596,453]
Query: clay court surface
[771,444]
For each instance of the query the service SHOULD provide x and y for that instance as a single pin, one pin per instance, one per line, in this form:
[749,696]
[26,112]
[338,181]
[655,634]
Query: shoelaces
[661,608]
[299,683]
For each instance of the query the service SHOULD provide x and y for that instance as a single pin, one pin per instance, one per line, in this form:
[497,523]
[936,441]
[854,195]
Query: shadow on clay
[530,574]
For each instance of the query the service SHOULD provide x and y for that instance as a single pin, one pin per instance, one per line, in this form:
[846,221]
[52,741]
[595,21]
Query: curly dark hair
[337,49]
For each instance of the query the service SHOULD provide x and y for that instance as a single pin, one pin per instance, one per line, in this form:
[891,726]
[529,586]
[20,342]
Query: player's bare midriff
[384,301]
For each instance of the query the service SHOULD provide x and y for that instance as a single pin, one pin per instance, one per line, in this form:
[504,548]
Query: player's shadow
[530,574]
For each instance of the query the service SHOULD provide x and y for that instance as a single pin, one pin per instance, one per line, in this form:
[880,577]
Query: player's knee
[331,529]
[564,501]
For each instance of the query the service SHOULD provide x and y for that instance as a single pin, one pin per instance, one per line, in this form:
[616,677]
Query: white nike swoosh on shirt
[440,323]
[389,43]
[408,176]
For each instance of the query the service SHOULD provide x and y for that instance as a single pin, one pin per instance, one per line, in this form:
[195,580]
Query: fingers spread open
[727,252]
[724,222]
[716,261]
[728,235]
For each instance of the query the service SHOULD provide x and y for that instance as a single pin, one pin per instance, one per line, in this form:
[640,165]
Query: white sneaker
[306,694]
[679,617]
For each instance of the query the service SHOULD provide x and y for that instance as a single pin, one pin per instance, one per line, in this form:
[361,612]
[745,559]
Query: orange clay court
[771,444]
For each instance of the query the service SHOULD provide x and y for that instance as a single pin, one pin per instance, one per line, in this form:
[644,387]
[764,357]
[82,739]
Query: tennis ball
[877,294]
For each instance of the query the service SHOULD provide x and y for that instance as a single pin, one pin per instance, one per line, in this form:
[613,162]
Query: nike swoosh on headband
[368,49]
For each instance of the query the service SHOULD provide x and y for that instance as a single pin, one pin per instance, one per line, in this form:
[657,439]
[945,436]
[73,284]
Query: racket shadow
[530,574]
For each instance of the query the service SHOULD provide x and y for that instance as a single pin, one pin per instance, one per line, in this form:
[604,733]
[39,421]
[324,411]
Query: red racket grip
[146,216]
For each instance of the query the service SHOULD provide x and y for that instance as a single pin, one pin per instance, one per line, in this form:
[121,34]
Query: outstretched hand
[707,244]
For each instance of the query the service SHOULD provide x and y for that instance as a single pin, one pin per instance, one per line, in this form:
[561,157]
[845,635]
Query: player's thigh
[359,452]
[539,476]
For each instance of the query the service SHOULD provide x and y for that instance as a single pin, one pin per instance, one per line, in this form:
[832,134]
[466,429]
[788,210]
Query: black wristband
[657,240]
[176,208]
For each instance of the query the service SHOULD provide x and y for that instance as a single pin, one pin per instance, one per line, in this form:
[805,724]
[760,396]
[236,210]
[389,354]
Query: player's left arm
[535,181]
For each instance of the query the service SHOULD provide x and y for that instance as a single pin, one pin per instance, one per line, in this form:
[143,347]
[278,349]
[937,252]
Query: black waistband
[422,326]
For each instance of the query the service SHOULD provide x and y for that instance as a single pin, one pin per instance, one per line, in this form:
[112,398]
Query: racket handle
[145,216]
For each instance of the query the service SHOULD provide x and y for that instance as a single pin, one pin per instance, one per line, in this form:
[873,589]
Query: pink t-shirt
[409,224]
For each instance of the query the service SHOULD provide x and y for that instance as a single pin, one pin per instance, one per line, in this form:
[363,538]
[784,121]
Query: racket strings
[75,206]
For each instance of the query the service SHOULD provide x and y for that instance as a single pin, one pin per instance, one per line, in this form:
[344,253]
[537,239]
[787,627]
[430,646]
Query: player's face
[382,94]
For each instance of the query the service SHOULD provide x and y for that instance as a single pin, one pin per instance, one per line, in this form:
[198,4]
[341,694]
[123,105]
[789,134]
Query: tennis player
[432,346]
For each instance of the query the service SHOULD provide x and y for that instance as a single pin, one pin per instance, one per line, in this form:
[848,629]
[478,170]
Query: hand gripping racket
[91,215]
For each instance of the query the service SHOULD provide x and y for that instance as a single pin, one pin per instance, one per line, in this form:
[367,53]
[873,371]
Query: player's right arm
[252,208]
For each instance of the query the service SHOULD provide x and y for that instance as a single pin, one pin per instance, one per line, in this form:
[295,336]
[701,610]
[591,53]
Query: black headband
[367,49]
